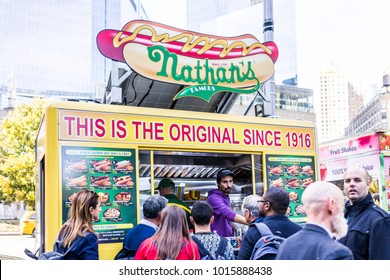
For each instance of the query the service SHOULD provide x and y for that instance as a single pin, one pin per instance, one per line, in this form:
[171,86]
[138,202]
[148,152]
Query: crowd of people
[334,230]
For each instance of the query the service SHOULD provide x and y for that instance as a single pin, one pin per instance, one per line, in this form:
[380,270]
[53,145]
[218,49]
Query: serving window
[194,173]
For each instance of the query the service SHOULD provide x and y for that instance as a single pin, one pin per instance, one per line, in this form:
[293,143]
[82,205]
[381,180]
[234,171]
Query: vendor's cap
[224,172]
[165,183]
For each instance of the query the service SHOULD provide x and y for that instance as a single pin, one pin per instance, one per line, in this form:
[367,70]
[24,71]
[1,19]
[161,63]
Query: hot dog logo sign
[206,63]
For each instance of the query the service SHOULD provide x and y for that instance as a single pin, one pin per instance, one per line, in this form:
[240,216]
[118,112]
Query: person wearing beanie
[220,201]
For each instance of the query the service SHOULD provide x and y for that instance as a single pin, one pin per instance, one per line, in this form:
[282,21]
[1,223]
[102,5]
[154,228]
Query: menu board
[294,174]
[111,173]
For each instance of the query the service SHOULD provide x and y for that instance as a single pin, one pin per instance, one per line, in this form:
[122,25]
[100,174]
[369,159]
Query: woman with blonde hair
[77,235]
[172,241]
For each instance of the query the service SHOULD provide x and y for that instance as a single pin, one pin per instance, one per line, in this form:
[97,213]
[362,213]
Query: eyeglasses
[265,201]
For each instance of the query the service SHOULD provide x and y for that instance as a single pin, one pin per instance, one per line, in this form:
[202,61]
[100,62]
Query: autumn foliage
[17,152]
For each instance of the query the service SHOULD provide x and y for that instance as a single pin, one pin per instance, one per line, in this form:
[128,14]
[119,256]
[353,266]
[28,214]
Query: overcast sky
[353,34]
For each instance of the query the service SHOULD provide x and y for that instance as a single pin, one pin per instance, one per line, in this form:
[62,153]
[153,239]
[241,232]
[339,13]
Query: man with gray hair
[272,211]
[152,208]
[323,203]
[250,209]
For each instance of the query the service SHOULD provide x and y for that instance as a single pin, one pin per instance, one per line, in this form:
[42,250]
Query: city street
[13,245]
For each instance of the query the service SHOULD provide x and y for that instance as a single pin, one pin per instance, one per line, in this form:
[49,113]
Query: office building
[374,115]
[49,47]
[331,105]
[232,18]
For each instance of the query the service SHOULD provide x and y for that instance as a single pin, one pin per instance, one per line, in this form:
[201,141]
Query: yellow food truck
[123,152]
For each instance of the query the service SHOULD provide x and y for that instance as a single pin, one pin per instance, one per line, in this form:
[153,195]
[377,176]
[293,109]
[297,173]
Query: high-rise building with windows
[332,107]
[49,47]
[232,18]
[374,115]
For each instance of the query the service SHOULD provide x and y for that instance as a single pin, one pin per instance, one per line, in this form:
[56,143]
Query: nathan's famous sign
[207,64]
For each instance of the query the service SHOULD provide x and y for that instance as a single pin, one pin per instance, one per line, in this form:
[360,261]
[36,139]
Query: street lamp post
[269,86]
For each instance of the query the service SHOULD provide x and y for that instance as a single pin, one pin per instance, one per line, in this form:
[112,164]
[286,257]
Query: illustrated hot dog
[111,42]
[200,51]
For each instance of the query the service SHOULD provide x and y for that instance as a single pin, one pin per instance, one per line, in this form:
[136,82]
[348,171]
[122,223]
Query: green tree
[17,152]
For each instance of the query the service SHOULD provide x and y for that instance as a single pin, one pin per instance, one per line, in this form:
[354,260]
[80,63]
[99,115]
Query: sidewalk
[9,233]
[5,257]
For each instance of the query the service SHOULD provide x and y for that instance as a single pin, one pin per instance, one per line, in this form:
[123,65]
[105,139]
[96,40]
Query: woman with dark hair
[172,241]
[77,233]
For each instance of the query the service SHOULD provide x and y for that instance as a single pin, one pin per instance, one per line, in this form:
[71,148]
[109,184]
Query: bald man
[324,204]
[368,234]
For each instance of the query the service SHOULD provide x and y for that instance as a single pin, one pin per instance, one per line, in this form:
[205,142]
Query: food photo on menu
[112,214]
[123,165]
[292,169]
[275,170]
[72,197]
[276,183]
[292,183]
[104,198]
[307,170]
[100,181]
[77,165]
[294,196]
[306,182]
[80,181]
[299,210]
[101,165]
[123,181]
[123,197]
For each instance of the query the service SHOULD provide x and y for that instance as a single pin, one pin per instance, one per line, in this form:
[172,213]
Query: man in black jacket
[368,225]
[273,207]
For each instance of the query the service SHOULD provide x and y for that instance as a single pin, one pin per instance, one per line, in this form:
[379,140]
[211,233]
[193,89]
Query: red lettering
[69,121]
[247,136]
[152,131]
[159,131]
[277,137]
[201,134]
[268,138]
[185,132]
[121,127]
[136,124]
[82,125]
[100,129]
[174,132]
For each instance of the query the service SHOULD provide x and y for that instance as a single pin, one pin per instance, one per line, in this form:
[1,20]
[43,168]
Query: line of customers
[164,233]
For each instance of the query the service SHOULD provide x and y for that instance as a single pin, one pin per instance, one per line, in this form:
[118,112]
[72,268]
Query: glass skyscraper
[49,47]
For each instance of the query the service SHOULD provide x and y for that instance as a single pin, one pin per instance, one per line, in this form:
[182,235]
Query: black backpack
[125,254]
[268,245]
[205,255]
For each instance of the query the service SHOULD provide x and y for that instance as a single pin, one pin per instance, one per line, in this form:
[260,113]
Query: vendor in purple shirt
[220,201]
